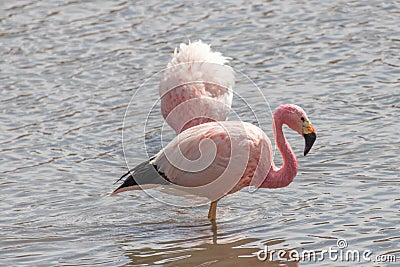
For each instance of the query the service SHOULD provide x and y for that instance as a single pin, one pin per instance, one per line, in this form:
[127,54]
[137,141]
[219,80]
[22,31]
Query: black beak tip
[310,139]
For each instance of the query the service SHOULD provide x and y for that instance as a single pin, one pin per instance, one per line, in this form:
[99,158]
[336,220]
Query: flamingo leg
[212,213]
[214,230]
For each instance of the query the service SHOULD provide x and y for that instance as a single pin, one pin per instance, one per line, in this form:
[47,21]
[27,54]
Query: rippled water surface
[68,70]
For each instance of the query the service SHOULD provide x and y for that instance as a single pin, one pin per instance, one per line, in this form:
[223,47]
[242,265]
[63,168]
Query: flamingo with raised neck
[242,156]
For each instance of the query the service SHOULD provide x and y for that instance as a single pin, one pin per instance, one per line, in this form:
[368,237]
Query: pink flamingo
[196,87]
[181,162]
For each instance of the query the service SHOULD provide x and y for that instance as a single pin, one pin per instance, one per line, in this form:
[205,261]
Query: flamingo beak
[310,136]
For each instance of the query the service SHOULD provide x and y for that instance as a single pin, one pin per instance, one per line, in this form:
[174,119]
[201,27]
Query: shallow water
[68,70]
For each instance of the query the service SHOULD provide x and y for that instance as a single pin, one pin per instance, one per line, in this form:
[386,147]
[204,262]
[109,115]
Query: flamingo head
[297,119]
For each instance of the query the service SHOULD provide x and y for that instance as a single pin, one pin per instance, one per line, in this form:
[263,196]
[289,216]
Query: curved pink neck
[283,176]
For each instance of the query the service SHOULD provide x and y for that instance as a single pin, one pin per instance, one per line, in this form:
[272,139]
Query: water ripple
[69,69]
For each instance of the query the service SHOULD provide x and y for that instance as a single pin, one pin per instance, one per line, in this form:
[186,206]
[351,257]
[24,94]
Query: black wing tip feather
[123,176]
[131,171]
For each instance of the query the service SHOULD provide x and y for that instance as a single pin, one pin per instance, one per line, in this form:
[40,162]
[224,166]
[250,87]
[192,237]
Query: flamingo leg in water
[212,213]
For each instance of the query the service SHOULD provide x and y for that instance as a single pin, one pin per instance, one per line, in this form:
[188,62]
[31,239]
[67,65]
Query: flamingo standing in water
[196,87]
[239,155]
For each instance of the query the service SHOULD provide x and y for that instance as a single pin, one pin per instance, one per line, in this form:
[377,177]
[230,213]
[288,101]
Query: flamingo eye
[302,119]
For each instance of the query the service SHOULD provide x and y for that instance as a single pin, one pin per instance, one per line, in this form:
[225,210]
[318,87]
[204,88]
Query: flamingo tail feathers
[143,174]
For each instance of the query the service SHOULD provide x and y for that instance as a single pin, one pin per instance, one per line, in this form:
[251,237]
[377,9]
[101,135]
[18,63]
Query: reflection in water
[69,70]
[225,254]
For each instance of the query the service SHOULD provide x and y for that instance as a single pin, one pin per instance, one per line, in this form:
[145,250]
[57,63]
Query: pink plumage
[219,158]
[231,155]
[196,87]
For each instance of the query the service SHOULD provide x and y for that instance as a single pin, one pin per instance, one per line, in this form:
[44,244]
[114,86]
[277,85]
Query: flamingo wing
[196,87]
[237,152]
